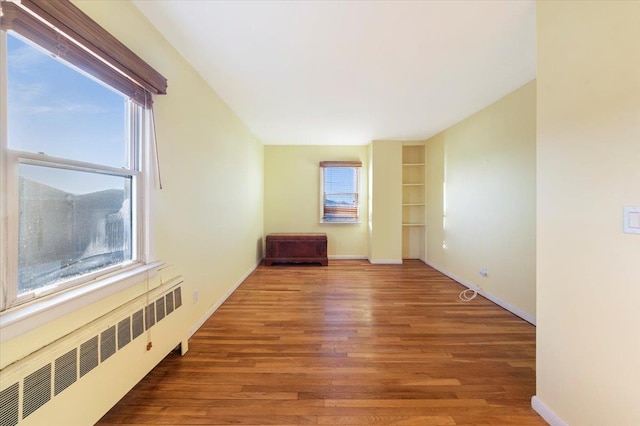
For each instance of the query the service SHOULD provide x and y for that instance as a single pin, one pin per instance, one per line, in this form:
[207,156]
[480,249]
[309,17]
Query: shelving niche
[413,201]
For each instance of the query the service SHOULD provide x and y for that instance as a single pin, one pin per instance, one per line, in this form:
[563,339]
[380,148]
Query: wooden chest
[296,248]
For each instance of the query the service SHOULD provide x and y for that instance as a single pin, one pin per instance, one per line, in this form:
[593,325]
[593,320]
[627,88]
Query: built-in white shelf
[413,201]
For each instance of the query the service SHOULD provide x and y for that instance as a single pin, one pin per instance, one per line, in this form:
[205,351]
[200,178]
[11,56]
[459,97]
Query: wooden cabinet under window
[296,248]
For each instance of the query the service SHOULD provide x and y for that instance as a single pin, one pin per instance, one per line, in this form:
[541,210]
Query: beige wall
[209,215]
[588,168]
[210,210]
[435,254]
[488,164]
[292,195]
[385,219]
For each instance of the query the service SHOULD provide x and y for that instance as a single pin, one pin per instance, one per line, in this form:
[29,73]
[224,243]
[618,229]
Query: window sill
[337,222]
[21,319]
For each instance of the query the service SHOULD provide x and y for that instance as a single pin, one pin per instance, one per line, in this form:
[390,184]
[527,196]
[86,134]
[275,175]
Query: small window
[340,191]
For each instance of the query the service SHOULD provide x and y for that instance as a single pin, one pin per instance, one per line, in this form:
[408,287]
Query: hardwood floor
[351,343]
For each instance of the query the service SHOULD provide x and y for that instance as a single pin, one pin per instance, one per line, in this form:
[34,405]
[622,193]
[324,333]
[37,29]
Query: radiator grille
[37,390]
[138,323]
[107,343]
[9,406]
[65,371]
[169,298]
[27,395]
[177,294]
[160,309]
[149,316]
[88,355]
[124,332]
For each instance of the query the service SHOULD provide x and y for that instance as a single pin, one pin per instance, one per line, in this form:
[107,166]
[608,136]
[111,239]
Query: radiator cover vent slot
[169,303]
[107,343]
[137,323]
[65,371]
[124,332]
[37,390]
[177,294]
[149,316]
[160,309]
[9,404]
[88,355]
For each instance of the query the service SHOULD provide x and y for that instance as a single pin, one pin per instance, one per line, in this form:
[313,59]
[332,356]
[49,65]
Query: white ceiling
[349,72]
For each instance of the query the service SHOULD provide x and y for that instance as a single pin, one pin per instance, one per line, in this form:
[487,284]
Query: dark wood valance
[64,30]
[341,164]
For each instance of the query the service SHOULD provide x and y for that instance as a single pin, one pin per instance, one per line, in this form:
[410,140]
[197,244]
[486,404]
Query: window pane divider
[38,159]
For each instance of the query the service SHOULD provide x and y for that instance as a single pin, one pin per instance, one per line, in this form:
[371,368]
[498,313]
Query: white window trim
[4,187]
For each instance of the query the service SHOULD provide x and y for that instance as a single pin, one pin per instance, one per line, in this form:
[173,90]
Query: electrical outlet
[484,272]
[195,295]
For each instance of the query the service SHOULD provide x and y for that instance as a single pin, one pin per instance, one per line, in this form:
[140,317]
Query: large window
[340,189]
[75,163]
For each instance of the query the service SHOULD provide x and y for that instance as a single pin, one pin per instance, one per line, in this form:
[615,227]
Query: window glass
[71,223]
[56,110]
[72,143]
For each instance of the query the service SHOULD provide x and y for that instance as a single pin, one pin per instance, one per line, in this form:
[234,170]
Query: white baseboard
[359,257]
[386,261]
[346,257]
[516,311]
[546,413]
[220,301]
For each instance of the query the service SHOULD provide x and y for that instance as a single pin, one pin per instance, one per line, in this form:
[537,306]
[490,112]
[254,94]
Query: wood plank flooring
[351,343]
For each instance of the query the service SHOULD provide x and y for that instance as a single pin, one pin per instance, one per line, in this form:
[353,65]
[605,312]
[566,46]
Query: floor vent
[9,406]
[37,390]
[67,366]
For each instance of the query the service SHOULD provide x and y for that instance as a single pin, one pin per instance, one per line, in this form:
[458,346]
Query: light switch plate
[632,219]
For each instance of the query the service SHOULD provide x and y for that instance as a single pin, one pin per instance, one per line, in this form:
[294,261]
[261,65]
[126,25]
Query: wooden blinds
[64,30]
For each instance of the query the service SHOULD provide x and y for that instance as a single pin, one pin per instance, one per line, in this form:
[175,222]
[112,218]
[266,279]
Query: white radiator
[34,381]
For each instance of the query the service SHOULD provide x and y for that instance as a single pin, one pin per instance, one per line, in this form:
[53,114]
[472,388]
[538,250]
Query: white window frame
[347,164]
[20,314]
